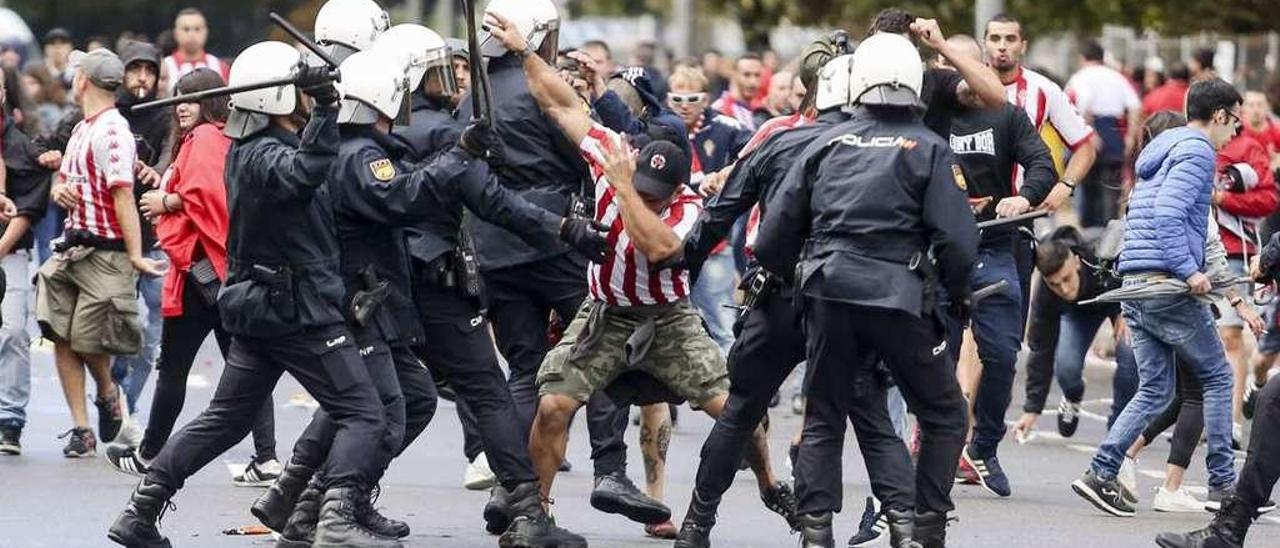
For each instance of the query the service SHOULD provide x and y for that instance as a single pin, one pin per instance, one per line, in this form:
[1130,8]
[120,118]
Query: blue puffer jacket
[1169,210]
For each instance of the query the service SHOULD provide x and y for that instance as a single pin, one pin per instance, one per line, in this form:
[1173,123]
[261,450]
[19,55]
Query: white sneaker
[130,434]
[479,477]
[259,474]
[1179,501]
[1128,478]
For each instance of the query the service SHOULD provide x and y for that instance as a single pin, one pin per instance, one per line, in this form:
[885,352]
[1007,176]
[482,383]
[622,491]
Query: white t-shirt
[1099,90]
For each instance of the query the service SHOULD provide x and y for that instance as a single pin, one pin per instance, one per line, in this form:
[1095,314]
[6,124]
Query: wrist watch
[1235,301]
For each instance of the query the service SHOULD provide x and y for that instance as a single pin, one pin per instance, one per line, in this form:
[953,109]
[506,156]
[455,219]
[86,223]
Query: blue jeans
[713,290]
[15,342]
[997,329]
[1076,335]
[1162,327]
[131,372]
[46,230]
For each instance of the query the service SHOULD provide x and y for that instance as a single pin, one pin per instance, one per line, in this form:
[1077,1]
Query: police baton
[1001,221]
[221,92]
[481,109]
[987,291]
[293,31]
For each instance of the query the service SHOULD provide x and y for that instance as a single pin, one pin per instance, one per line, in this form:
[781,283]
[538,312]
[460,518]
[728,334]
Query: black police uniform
[770,344]
[524,283]
[282,303]
[375,195]
[456,339]
[864,200]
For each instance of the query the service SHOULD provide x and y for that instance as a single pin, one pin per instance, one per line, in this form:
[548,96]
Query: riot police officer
[859,243]
[344,27]
[525,283]
[282,303]
[769,343]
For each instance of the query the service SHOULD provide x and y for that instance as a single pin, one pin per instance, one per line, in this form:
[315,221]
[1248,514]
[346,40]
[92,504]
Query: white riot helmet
[833,83]
[344,27]
[251,110]
[886,71]
[373,85]
[422,52]
[539,20]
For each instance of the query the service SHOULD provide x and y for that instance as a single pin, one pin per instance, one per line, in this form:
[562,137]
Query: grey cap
[101,66]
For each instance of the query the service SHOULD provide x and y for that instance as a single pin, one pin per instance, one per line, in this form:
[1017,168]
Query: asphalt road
[49,501]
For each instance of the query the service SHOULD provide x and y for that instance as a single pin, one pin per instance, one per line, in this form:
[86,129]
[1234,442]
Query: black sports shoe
[1213,501]
[81,444]
[1105,495]
[10,440]
[616,494]
[990,474]
[871,528]
[127,460]
[1068,418]
[782,501]
[110,415]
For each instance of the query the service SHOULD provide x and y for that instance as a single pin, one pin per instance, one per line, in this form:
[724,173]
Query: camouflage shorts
[679,354]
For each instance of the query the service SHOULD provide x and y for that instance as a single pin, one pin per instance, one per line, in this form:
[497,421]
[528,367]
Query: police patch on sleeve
[383,170]
[959,175]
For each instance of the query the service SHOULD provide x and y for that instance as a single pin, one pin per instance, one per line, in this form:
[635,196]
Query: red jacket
[196,176]
[1171,96]
[1258,201]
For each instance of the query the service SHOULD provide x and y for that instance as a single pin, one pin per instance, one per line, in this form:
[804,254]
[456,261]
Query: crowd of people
[635,236]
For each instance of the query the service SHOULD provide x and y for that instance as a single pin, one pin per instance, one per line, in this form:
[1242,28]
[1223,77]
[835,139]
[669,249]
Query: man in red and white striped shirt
[86,293]
[191,32]
[638,317]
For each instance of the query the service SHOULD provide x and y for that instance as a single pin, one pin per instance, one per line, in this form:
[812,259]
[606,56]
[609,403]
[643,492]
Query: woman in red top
[189,211]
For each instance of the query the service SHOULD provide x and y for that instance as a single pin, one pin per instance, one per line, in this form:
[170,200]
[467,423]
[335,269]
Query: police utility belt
[458,270]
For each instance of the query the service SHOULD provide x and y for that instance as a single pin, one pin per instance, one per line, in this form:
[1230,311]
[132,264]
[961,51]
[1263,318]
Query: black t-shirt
[939,96]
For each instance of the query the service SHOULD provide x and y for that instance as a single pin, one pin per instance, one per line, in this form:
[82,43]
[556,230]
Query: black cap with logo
[661,169]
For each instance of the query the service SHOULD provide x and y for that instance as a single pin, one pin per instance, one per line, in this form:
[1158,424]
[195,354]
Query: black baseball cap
[661,169]
[56,34]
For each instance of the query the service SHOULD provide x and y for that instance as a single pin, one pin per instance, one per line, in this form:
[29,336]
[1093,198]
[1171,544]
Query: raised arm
[556,98]
[980,82]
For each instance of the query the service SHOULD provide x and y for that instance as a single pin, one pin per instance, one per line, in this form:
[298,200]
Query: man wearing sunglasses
[1166,225]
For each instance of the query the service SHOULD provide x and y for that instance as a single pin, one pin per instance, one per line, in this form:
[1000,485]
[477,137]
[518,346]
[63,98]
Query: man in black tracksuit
[282,303]
[526,283]
[851,226]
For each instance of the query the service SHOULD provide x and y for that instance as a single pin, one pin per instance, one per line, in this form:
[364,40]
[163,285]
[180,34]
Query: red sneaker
[666,530]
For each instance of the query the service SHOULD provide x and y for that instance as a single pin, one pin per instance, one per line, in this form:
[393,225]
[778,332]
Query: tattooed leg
[655,437]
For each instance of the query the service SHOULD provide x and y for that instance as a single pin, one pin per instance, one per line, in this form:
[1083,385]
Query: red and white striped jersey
[626,278]
[1045,102]
[178,66]
[99,157]
[730,107]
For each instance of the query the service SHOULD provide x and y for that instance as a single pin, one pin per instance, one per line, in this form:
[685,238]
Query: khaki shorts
[89,298]
[680,354]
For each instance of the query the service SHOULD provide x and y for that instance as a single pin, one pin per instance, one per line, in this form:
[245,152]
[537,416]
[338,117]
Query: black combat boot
[497,512]
[695,531]
[1227,529]
[815,530]
[531,527]
[378,523]
[930,530]
[136,526]
[300,529]
[616,494]
[340,526]
[276,504]
[901,525]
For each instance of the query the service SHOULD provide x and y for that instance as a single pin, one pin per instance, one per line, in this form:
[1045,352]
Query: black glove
[477,139]
[588,236]
[960,310]
[317,83]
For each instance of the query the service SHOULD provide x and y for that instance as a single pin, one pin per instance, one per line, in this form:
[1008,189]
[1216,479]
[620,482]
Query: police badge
[383,170]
